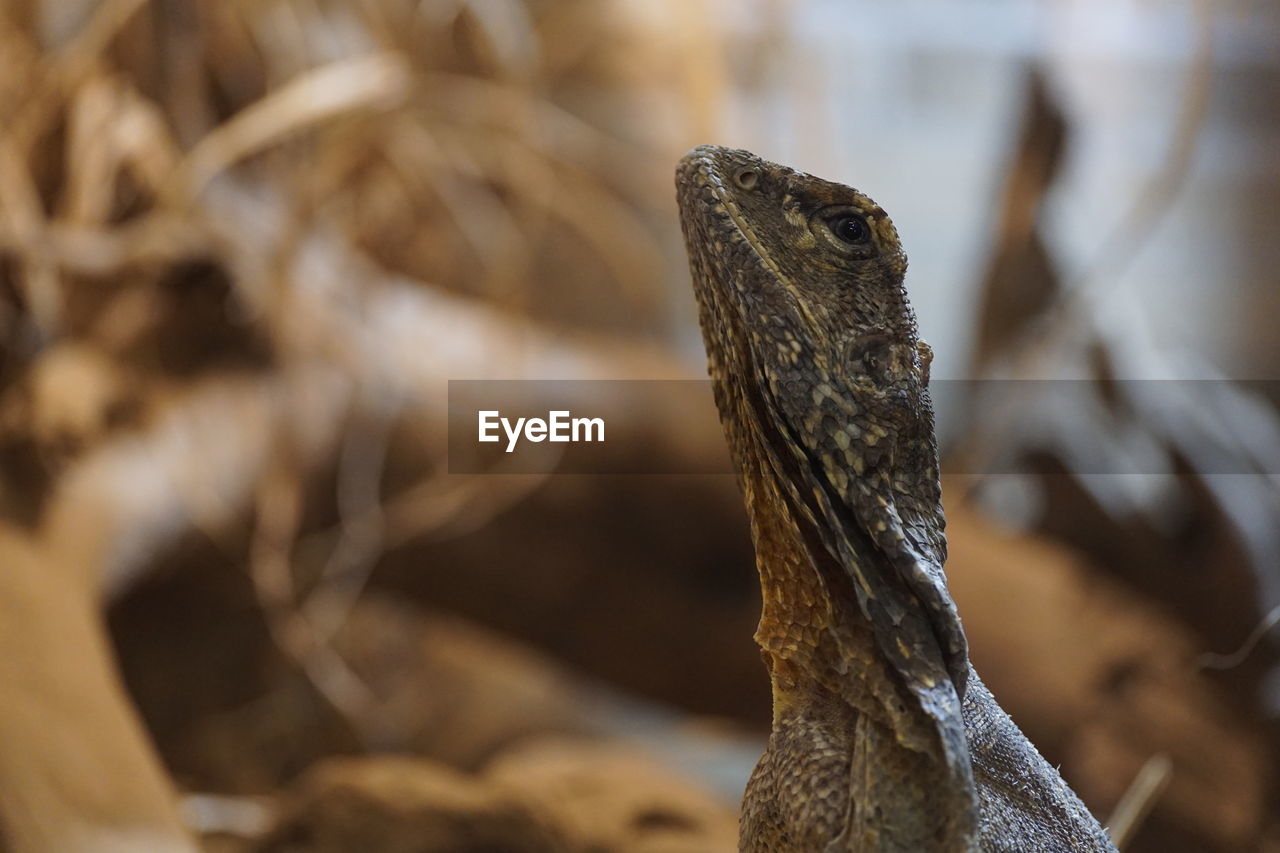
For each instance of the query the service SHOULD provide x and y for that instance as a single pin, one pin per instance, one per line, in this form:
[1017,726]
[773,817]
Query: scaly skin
[883,737]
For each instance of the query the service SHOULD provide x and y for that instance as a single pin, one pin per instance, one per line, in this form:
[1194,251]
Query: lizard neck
[841,715]
[796,612]
[813,635]
[811,631]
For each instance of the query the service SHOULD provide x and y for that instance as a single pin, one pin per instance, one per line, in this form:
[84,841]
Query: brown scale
[883,737]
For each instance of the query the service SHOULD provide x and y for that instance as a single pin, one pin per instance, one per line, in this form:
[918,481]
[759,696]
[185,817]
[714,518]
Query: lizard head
[816,271]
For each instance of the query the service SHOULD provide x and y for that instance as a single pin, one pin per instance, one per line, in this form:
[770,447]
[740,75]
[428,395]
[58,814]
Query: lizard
[884,738]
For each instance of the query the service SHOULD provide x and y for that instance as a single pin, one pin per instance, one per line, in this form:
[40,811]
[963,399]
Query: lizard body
[883,737]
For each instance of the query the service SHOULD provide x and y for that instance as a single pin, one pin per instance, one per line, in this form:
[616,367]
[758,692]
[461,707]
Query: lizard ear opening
[746,179]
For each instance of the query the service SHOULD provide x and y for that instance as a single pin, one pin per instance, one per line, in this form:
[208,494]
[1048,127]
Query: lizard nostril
[746,179]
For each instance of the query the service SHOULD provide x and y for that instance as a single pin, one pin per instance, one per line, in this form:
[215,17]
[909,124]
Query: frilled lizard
[884,739]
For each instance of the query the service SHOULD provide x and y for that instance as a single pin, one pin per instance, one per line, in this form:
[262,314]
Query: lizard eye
[845,229]
[746,179]
[849,228]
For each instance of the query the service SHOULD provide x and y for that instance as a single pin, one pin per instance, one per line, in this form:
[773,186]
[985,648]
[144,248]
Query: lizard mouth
[701,177]
[706,204]
[701,171]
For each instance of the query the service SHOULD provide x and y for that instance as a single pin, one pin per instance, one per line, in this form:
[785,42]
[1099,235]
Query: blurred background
[244,245]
